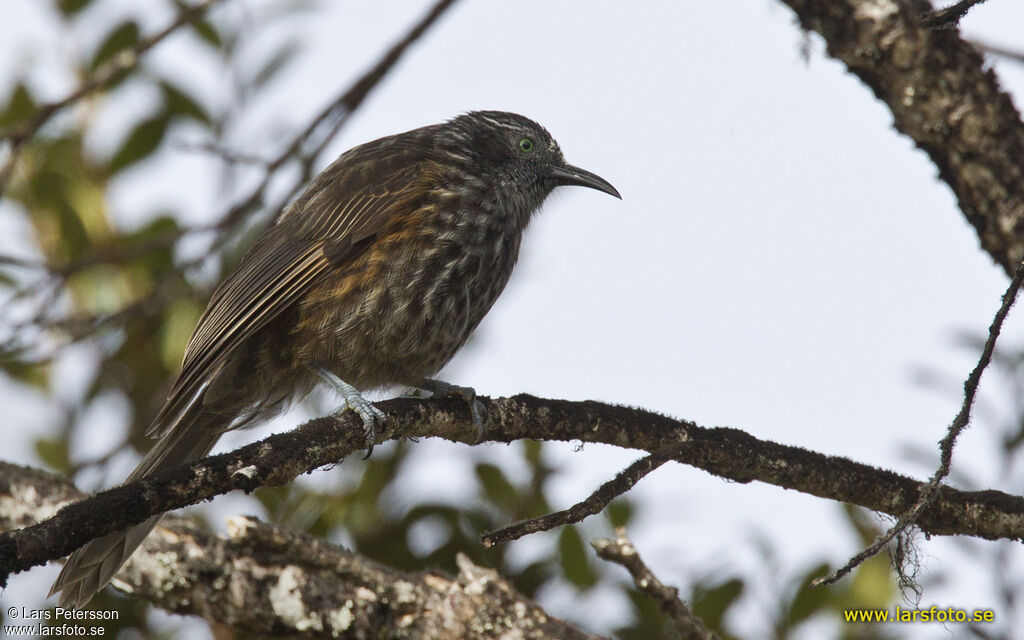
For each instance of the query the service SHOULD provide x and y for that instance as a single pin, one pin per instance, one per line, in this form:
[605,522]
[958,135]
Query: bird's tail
[91,567]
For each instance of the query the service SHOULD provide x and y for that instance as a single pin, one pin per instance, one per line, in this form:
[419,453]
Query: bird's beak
[568,175]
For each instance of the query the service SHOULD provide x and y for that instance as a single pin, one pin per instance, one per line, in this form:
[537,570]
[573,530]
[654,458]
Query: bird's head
[517,158]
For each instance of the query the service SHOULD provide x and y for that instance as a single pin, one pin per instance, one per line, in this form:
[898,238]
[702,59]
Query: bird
[375,276]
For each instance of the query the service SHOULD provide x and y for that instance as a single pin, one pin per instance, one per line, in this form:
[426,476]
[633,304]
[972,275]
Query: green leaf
[533,576]
[158,259]
[649,620]
[273,499]
[205,30]
[711,604]
[573,555]
[178,103]
[620,512]
[70,7]
[31,374]
[807,601]
[53,453]
[202,27]
[873,585]
[533,452]
[124,36]
[52,190]
[18,108]
[181,317]
[141,142]
[496,486]
[863,522]
[277,62]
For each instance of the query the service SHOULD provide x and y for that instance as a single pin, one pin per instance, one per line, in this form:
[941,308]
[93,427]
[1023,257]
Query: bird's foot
[440,388]
[354,401]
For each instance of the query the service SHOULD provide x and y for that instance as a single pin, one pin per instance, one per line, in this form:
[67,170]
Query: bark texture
[944,97]
[729,453]
[271,581]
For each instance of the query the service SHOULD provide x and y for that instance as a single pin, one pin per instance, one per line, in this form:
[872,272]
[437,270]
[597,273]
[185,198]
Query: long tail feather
[91,567]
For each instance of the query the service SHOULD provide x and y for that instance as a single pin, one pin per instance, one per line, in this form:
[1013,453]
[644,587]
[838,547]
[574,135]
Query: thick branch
[942,96]
[729,453]
[271,581]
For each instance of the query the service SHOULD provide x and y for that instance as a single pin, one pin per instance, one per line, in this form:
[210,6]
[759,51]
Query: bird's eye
[526,145]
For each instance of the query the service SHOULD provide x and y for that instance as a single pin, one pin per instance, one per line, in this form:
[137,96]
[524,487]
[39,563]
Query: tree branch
[729,453]
[1010,54]
[592,505]
[950,16]
[271,581]
[946,445]
[122,62]
[944,98]
[312,140]
[304,147]
[622,552]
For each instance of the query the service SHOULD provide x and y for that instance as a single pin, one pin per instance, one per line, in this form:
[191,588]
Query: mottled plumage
[376,275]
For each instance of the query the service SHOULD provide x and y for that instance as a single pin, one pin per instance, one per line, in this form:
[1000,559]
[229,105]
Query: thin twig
[930,491]
[330,120]
[950,16]
[595,503]
[996,50]
[621,551]
[72,328]
[24,263]
[226,155]
[107,73]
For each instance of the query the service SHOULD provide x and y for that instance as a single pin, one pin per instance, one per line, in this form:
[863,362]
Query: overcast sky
[782,261]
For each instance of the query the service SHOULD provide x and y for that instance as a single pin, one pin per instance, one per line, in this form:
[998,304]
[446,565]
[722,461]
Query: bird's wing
[342,208]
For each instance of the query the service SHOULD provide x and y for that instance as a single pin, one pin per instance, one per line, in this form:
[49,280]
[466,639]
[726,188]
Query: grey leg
[476,408]
[370,415]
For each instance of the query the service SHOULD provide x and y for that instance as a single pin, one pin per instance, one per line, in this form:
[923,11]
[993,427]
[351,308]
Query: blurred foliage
[124,293]
[122,37]
[115,289]
[792,609]
[998,418]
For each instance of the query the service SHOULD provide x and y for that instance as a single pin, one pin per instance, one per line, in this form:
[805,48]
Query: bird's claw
[354,401]
[478,412]
[476,408]
[371,417]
